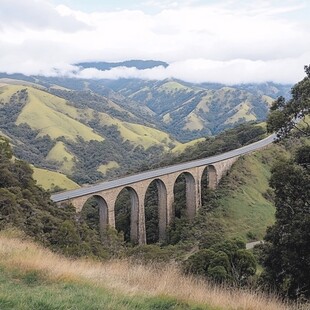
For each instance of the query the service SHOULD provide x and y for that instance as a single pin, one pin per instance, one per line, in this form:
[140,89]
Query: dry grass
[126,277]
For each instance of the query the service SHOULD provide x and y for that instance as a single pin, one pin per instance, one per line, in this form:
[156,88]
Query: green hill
[50,180]
[48,131]
[242,206]
[185,110]
[246,205]
[190,110]
[54,117]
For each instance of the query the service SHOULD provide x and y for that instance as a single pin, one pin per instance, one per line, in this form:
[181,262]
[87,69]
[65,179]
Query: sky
[224,41]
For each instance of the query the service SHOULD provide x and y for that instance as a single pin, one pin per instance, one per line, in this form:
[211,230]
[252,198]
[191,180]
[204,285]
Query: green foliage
[226,261]
[151,214]
[302,156]
[123,214]
[284,114]
[5,150]
[286,254]
[226,141]
[41,137]
[153,253]
[29,208]
[31,290]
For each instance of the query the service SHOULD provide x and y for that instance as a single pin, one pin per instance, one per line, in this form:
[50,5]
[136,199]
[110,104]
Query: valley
[154,155]
[141,121]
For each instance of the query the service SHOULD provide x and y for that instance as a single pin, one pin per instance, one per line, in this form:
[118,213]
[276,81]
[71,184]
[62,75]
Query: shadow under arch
[127,214]
[95,213]
[212,177]
[190,193]
[155,203]
[207,181]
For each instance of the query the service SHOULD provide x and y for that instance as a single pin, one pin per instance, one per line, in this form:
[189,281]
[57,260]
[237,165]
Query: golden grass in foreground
[126,277]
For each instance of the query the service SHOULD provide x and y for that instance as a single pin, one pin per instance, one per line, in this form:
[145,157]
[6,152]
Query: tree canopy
[286,255]
[294,113]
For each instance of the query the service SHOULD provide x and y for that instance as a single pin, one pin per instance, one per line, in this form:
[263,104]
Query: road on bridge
[161,171]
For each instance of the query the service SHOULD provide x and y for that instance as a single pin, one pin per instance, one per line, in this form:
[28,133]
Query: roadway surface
[161,171]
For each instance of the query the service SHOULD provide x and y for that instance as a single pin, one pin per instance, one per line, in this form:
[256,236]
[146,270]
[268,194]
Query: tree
[287,260]
[5,149]
[294,113]
[286,254]
[226,261]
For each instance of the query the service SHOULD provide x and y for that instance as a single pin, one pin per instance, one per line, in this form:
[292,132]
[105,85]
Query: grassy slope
[150,136]
[108,166]
[181,147]
[34,278]
[55,117]
[244,208]
[60,153]
[7,91]
[48,179]
[173,86]
[42,113]
[194,122]
[243,110]
[30,291]
[138,134]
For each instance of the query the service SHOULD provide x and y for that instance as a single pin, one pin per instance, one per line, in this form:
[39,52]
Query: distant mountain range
[79,133]
[185,110]
[139,64]
[90,129]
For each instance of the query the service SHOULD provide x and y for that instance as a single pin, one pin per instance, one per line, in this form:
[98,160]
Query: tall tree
[294,113]
[286,255]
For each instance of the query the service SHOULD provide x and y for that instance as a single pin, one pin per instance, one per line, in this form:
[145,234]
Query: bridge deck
[161,171]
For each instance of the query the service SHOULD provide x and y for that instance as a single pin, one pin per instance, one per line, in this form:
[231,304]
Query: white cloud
[200,70]
[35,14]
[226,42]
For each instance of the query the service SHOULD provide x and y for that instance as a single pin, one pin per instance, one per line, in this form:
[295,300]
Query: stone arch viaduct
[106,193]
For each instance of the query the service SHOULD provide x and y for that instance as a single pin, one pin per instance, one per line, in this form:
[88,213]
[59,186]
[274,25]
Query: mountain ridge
[50,132]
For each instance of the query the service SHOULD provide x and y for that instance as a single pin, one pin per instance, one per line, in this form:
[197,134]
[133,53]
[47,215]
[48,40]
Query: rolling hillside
[189,110]
[50,180]
[185,110]
[91,130]
[75,134]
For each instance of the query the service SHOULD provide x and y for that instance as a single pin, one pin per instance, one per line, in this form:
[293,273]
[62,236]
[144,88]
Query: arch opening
[185,196]
[95,213]
[184,206]
[212,177]
[155,203]
[208,172]
[127,214]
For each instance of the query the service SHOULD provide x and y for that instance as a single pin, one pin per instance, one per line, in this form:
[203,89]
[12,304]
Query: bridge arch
[212,177]
[127,213]
[97,213]
[190,193]
[155,203]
